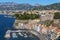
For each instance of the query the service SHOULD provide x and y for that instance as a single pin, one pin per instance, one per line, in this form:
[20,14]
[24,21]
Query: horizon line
[30,3]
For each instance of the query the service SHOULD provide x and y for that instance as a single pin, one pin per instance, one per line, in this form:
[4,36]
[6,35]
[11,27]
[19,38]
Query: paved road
[39,35]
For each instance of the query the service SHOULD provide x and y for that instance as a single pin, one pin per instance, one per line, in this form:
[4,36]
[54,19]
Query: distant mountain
[55,6]
[16,6]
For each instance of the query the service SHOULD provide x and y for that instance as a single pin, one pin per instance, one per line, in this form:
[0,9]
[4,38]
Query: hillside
[16,6]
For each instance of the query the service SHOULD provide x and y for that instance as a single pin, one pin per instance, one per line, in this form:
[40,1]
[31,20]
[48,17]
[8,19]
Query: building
[46,16]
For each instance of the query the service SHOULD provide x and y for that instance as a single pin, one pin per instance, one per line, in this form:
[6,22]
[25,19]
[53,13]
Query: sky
[33,2]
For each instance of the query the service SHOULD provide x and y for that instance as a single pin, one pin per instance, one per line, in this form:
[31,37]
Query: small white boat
[25,35]
[14,35]
[20,34]
[7,36]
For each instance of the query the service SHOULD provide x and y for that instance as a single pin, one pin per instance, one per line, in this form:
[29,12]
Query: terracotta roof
[57,30]
[55,25]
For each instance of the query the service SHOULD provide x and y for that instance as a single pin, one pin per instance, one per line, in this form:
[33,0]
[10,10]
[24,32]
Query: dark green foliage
[57,15]
[48,23]
[26,16]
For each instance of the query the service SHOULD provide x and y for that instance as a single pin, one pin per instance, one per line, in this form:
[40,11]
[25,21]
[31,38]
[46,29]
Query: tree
[17,16]
[57,15]
[26,16]
[48,23]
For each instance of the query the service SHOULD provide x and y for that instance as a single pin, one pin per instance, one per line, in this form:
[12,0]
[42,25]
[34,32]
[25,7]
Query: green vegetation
[59,25]
[48,23]
[57,15]
[26,16]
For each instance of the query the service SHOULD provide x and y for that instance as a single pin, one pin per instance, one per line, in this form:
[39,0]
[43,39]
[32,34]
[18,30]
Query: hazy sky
[42,2]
